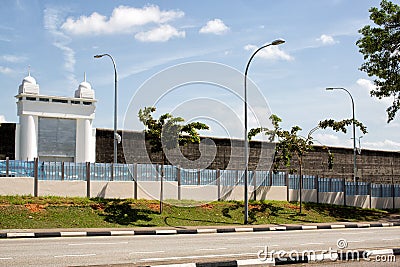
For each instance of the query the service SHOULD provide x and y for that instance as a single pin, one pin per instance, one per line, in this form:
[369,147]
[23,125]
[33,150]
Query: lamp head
[278,42]
[329,89]
[98,56]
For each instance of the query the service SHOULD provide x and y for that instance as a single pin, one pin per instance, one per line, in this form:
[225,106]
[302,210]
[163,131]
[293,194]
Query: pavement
[342,256]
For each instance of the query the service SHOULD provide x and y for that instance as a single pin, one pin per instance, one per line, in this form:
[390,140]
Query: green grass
[27,212]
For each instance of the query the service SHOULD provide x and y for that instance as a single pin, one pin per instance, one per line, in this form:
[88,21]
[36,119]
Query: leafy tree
[292,146]
[168,132]
[380,45]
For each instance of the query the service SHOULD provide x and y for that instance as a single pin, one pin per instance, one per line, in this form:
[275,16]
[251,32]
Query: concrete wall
[385,202]
[271,193]
[308,195]
[115,189]
[16,186]
[331,198]
[235,192]
[151,190]
[194,192]
[62,188]
[373,165]
[358,201]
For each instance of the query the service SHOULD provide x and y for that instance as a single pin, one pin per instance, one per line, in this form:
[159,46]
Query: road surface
[167,249]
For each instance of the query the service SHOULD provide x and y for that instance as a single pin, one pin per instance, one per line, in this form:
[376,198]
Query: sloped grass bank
[27,212]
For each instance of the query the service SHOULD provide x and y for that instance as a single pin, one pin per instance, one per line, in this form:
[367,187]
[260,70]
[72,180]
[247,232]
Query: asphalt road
[168,249]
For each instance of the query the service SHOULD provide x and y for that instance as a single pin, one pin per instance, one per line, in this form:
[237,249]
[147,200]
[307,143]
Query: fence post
[112,172]
[393,199]
[287,186]
[62,171]
[344,191]
[35,177]
[316,184]
[370,194]
[270,177]
[254,184]
[135,180]
[7,166]
[356,193]
[162,188]
[198,177]
[219,184]
[178,177]
[88,179]
[237,176]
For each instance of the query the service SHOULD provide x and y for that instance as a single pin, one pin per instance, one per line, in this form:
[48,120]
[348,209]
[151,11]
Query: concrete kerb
[42,233]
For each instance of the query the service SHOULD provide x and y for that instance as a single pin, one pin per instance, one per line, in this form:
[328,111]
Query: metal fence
[153,172]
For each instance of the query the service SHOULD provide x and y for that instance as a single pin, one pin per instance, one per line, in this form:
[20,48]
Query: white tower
[55,128]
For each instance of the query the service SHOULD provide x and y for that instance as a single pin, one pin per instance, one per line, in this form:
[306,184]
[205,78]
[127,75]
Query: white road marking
[390,239]
[147,252]
[6,258]
[199,256]
[99,243]
[74,255]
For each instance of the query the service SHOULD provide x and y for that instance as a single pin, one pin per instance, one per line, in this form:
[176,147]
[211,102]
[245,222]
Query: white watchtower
[55,128]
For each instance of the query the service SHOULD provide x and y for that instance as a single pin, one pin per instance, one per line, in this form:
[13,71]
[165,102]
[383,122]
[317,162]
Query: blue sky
[58,39]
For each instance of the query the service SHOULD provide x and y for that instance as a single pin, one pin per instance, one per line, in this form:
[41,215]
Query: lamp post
[354,131]
[115,104]
[246,143]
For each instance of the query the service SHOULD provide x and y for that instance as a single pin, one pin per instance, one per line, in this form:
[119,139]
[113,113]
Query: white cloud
[271,52]
[327,139]
[382,145]
[51,23]
[2,119]
[160,34]
[369,85]
[13,58]
[123,19]
[326,39]
[215,26]
[5,70]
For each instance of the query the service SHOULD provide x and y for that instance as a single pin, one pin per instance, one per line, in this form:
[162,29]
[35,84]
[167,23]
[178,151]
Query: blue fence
[152,172]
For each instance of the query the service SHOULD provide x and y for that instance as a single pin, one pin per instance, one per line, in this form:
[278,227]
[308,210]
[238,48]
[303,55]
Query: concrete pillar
[84,142]
[28,134]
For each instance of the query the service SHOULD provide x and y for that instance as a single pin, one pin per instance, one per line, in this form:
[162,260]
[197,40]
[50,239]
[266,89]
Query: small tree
[380,45]
[291,146]
[168,132]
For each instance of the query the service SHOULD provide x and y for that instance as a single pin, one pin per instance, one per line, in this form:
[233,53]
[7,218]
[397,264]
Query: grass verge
[27,212]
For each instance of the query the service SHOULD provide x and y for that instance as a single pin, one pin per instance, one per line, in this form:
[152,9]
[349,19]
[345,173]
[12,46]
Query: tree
[292,146]
[168,132]
[380,46]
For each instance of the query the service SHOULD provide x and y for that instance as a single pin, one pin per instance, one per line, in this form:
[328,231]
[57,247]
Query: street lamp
[246,145]
[354,131]
[116,137]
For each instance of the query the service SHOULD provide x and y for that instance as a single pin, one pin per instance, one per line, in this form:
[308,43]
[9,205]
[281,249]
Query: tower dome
[84,89]
[29,79]
[29,85]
